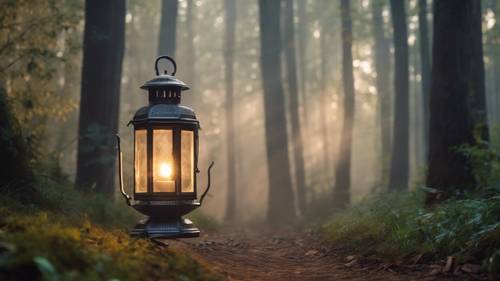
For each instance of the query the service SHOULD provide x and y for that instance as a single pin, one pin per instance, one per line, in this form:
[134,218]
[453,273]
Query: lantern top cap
[163,81]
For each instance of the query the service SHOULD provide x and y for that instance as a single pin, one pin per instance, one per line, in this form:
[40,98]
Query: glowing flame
[165,170]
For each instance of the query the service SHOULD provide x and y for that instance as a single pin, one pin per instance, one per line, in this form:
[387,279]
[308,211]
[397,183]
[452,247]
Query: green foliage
[48,246]
[67,235]
[485,161]
[38,49]
[396,225]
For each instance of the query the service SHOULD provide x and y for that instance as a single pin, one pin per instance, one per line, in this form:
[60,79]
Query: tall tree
[457,93]
[229,45]
[495,53]
[168,28]
[399,173]
[281,202]
[425,66]
[382,65]
[341,192]
[293,91]
[16,176]
[103,41]
[302,46]
[323,100]
[190,51]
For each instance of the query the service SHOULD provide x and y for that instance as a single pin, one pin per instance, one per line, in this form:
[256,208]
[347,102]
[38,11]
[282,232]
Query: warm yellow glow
[165,170]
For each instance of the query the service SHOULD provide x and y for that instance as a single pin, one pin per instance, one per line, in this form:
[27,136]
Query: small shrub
[396,225]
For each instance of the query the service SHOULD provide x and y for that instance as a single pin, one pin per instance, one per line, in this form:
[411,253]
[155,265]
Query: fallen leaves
[311,252]
[471,268]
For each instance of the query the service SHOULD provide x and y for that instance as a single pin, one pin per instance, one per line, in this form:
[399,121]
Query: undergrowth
[397,225]
[67,235]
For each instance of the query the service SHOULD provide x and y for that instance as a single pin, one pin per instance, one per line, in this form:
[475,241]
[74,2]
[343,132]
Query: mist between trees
[306,105]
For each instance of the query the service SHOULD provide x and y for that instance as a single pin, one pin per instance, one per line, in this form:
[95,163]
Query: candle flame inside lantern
[166,170]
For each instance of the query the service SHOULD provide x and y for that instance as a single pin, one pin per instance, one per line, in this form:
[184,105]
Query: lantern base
[165,228]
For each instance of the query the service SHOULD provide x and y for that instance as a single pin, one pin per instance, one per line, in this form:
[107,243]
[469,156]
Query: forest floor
[292,255]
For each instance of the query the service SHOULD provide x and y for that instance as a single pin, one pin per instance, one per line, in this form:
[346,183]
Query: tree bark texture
[302,46]
[168,28]
[103,46]
[229,48]
[457,93]
[425,66]
[323,99]
[382,66]
[398,179]
[341,192]
[293,91]
[281,201]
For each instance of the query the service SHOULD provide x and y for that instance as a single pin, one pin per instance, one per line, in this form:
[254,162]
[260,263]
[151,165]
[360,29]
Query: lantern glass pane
[163,161]
[141,160]
[187,161]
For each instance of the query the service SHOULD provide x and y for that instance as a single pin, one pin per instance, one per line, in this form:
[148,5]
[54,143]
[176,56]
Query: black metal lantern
[165,160]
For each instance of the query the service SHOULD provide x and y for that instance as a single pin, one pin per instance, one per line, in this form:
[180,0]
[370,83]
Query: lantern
[165,160]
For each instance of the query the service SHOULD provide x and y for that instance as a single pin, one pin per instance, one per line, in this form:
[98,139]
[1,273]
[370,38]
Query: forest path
[264,255]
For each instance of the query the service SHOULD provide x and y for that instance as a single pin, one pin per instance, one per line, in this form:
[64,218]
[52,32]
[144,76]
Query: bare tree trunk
[16,176]
[400,145]
[457,92]
[382,66]
[281,202]
[425,64]
[103,41]
[297,146]
[190,51]
[341,193]
[495,46]
[302,45]
[168,28]
[229,45]
[323,100]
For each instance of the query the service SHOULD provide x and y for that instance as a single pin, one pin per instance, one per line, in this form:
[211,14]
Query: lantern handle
[169,59]
[120,171]
[208,184]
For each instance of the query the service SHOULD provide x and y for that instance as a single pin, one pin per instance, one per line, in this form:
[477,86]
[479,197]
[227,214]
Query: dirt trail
[252,255]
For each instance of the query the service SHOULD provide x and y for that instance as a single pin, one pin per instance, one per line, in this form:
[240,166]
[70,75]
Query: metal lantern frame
[164,113]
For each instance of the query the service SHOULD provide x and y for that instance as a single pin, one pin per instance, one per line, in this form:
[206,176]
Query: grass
[397,225]
[67,235]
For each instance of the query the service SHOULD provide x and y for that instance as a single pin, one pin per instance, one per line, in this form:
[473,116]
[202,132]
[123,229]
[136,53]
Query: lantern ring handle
[169,59]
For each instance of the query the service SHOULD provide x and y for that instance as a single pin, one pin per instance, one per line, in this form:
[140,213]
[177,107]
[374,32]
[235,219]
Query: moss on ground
[46,246]
[71,236]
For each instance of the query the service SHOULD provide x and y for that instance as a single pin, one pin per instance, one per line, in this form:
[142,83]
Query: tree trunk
[323,100]
[281,204]
[103,42]
[425,68]
[297,145]
[302,45]
[16,176]
[495,49]
[400,145]
[190,51]
[341,193]
[229,45]
[382,66]
[189,55]
[457,93]
[168,28]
